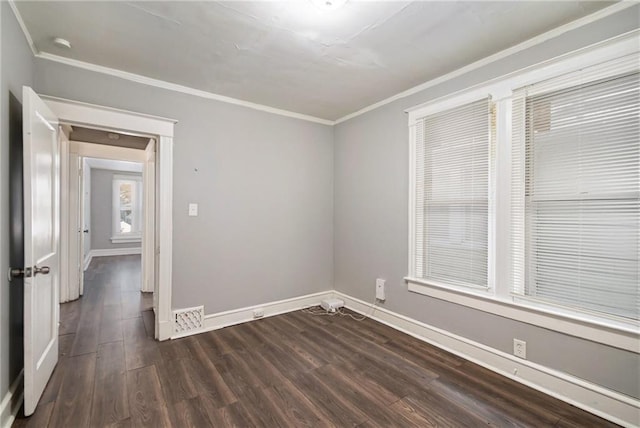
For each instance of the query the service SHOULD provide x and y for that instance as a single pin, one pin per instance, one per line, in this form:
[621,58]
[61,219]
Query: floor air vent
[188,320]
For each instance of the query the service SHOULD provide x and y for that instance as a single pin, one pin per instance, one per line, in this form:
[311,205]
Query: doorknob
[43,270]
[19,273]
[86,231]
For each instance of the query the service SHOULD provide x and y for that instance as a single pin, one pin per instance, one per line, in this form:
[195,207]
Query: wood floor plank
[175,380]
[146,400]
[295,407]
[231,416]
[69,316]
[441,411]
[39,419]
[205,376]
[175,349]
[331,403]
[111,324]
[88,332]
[149,323]
[132,304]
[190,413]
[77,387]
[110,397]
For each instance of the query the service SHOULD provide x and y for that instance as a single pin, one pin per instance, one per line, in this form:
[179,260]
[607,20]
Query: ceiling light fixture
[63,43]
[328,5]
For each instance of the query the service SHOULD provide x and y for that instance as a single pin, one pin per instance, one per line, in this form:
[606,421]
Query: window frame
[498,298]
[135,235]
[458,102]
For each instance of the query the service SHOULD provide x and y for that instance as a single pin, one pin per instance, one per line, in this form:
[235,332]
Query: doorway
[110,203]
[157,176]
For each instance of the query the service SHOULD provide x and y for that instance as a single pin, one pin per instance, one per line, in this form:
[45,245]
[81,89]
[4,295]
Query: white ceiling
[288,54]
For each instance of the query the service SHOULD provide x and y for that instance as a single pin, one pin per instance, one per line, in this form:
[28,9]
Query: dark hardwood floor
[290,370]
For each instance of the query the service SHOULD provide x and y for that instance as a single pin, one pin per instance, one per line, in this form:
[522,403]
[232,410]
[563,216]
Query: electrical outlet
[520,348]
[380,289]
[258,313]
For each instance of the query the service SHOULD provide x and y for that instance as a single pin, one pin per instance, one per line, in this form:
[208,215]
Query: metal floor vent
[188,319]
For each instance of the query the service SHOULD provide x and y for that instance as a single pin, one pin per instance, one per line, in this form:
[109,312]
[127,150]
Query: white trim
[497,299]
[23,27]
[609,404]
[12,401]
[105,252]
[73,112]
[87,260]
[179,88]
[501,87]
[129,238]
[241,315]
[103,151]
[109,118]
[568,323]
[558,31]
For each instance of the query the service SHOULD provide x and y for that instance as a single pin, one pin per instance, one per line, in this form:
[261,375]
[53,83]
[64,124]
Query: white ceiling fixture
[63,43]
[282,55]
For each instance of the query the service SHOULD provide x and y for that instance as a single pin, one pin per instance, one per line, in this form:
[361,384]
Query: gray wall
[371,225]
[264,185]
[101,210]
[17,70]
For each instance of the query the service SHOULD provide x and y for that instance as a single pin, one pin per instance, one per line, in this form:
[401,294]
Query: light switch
[193,210]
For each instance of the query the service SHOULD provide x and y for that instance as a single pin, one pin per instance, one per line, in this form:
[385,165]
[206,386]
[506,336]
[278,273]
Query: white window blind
[576,188]
[452,195]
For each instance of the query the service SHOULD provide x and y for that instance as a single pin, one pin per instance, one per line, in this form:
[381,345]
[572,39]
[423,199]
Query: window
[452,195]
[581,195]
[127,208]
[525,195]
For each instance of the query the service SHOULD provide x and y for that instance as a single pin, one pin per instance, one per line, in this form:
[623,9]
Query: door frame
[78,154]
[162,129]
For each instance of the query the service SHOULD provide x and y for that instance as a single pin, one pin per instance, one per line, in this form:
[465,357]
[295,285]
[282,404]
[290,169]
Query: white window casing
[135,234]
[527,249]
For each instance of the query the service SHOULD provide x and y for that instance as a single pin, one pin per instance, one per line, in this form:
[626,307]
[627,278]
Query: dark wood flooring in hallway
[290,370]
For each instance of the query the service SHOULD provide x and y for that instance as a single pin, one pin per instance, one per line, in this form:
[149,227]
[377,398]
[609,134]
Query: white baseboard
[11,402]
[593,398]
[114,252]
[238,316]
[87,261]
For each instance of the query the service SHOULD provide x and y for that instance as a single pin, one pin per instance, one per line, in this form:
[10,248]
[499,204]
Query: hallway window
[127,208]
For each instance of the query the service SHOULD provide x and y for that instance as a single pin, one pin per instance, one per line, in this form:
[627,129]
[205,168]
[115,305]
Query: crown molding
[156,82]
[23,26]
[178,88]
[602,13]
[541,38]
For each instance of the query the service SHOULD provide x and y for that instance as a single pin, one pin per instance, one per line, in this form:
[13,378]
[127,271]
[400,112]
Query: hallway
[105,333]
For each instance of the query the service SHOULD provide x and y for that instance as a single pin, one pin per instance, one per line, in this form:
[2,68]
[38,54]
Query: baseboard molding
[87,261]
[593,398]
[238,316]
[11,402]
[114,252]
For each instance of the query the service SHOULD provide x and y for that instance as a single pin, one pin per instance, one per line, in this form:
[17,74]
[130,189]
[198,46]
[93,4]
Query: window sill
[612,333]
[126,239]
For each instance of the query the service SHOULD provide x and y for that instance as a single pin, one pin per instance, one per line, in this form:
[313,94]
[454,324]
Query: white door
[85,217]
[74,236]
[41,239]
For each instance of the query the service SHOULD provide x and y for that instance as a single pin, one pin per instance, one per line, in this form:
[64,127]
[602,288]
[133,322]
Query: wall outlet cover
[380,283]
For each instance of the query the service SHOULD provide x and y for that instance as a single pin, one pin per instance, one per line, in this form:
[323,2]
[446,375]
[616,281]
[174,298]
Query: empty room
[321,213]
